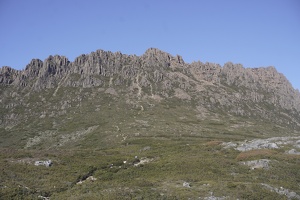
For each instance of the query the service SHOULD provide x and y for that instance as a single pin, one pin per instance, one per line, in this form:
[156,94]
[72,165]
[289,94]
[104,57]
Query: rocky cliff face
[231,89]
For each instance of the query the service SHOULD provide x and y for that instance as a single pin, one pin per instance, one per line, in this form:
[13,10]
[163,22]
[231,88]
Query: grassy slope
[182,148]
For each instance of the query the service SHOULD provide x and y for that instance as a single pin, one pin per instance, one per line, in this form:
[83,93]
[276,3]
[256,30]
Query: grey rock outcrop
[282,191]
[268,143]
[293,151]
[186,184]
[257,164]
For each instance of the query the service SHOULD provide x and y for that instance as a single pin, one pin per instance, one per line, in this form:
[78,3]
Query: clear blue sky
[255,33]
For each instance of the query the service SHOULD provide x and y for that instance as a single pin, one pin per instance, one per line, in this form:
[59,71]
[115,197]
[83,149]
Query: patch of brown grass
[261,153]
[213,143]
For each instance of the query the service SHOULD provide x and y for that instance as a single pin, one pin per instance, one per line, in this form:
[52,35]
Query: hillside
[147,127]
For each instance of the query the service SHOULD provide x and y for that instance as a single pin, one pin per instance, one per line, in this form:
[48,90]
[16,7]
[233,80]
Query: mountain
[107,102]
[230,90]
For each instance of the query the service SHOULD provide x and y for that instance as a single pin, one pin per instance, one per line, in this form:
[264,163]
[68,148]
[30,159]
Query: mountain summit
[232,89]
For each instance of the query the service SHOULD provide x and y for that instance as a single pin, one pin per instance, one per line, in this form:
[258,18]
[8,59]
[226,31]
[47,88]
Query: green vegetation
[203,163]
[95,135]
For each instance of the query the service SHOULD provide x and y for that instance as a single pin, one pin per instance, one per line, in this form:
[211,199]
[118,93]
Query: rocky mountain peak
[153,56]
[159,74]
[155,52]
[7,75]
